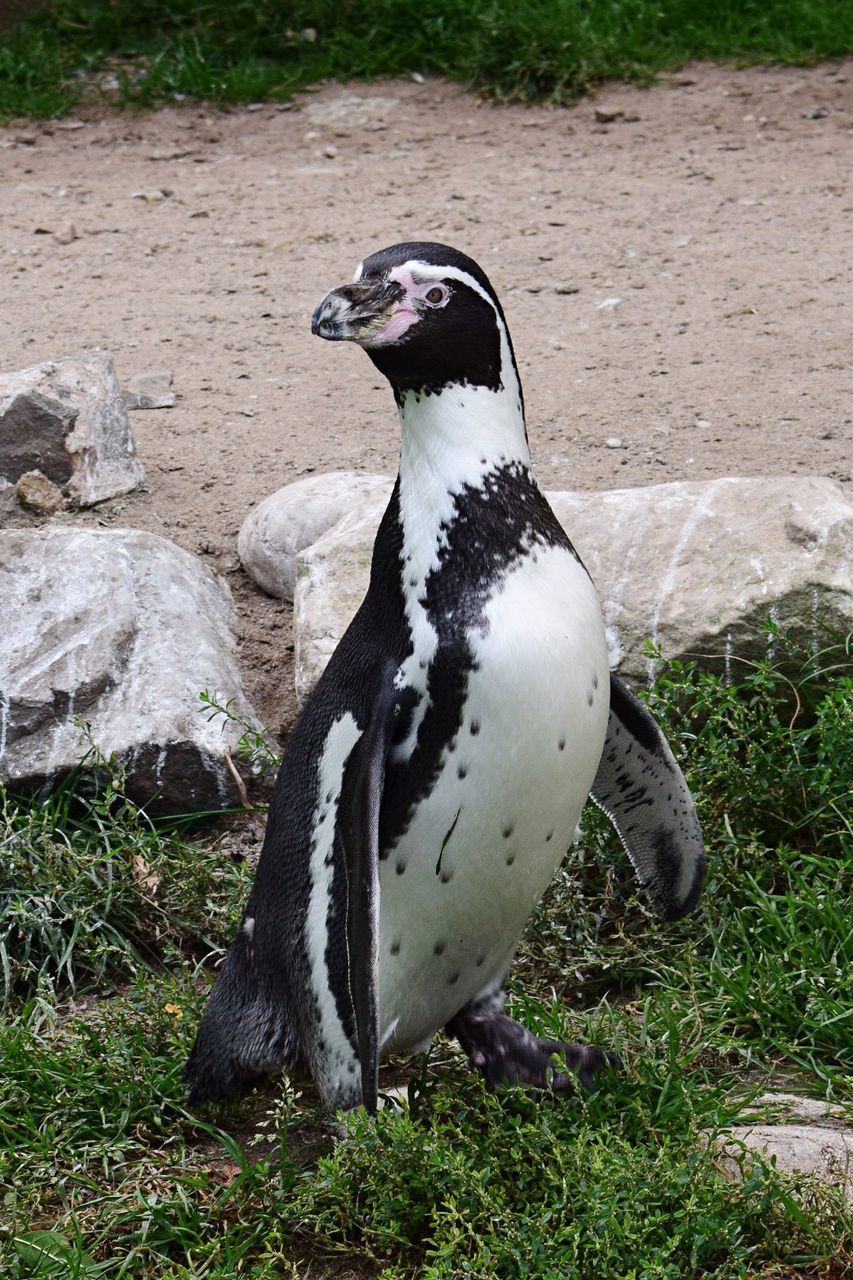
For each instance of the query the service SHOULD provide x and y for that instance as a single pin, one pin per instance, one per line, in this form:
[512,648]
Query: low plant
[254,746]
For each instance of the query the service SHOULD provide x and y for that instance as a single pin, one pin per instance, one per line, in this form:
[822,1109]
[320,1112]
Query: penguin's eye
[436,295]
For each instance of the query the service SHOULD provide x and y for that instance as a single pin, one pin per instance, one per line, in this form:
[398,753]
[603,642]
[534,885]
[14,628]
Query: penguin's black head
[425,314]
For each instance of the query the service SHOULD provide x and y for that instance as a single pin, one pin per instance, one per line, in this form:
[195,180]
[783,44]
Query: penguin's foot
[505,1052]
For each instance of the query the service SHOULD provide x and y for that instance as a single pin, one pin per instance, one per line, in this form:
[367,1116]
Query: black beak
[355,311]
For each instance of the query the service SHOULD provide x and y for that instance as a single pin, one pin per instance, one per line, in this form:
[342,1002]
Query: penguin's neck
[452,439]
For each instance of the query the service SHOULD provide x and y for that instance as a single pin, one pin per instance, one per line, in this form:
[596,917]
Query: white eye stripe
[358,273]
[425,273]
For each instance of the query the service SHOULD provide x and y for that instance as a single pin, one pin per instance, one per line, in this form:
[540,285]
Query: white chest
[459,886]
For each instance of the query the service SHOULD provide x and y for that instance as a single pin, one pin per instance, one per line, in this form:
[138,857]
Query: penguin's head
[426,315]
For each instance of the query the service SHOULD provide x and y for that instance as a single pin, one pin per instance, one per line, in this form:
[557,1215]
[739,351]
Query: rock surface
[332,577]
[8,498]
[150,390]
[122,630]
[809,1137]
[66,418]
[697,568]
[293,517]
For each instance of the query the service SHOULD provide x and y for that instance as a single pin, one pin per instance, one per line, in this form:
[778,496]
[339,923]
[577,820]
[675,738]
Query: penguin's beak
[360,312]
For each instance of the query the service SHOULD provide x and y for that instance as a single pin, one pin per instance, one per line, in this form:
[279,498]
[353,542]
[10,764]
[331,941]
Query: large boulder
[66,418]
[697,568]
[296,515]
[120,630]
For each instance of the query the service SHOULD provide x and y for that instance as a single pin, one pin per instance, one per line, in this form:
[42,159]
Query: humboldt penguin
[436,775]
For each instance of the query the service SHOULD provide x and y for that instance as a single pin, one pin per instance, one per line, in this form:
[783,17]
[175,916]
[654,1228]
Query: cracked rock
[66,419]
[122,630]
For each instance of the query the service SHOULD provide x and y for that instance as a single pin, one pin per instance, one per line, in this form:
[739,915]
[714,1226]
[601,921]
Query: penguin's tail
[244,1034]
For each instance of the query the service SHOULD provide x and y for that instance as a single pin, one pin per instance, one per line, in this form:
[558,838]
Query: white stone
[66,418]
[149,390]
[697,568]
[809,1137]
[295,516]
[123,630]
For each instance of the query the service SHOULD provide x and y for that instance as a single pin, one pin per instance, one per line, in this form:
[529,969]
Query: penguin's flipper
[644,794]
[358,828]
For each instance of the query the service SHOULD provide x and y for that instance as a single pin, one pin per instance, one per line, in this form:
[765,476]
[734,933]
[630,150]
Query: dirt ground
[675,265]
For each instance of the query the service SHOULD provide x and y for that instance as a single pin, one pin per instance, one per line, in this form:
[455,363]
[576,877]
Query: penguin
[436,775]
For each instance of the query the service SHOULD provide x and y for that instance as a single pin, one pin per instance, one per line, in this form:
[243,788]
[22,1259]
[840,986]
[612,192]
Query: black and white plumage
[436,775]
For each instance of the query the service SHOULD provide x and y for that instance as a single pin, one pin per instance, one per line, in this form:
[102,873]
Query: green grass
[230,51]
[104,1171]
[91,887]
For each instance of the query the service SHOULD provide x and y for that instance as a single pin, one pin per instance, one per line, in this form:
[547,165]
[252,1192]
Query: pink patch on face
[406,315]
[403,278]
[393,332]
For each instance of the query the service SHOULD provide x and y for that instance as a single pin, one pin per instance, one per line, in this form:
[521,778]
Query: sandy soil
[674,264]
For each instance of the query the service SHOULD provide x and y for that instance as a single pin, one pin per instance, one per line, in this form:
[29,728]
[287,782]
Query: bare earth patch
[674,264]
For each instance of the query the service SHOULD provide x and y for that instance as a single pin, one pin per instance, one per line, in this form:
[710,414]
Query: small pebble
[38,494]
[613,442]
[606,115]
[151,197]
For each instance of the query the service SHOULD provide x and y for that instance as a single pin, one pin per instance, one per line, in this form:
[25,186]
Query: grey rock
[38,494]
[150,390]
[8,498]
[66,418]
[295,516]
[808,1137]
[332,577]
[122,630]
[697,568]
